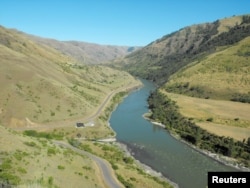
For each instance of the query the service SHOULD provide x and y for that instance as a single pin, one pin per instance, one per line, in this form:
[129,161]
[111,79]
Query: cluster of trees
[245,98]
[53,135]
[166,112]
[193,91]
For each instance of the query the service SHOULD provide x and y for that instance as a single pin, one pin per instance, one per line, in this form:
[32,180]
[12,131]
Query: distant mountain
[87,53]
[163,57]
[41,84]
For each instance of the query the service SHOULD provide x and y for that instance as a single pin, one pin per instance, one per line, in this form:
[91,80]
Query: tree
[248,141]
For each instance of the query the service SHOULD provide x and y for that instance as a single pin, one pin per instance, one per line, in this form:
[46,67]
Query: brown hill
[41,84]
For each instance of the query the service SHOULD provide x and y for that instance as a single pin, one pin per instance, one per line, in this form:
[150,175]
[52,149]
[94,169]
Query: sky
[113,22]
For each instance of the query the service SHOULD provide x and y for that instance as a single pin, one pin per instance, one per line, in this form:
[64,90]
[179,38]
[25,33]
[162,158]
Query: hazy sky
[115,22]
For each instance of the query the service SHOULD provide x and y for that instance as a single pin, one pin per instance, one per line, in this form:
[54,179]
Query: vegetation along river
[155,147]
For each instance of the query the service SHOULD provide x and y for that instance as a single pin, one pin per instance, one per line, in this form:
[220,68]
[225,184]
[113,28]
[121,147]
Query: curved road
[107,172]
[66,123]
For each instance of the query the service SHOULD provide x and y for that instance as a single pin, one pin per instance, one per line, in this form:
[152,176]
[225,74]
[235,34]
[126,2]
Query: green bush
[60,167]
[51,151]
[210,119]
[124,182]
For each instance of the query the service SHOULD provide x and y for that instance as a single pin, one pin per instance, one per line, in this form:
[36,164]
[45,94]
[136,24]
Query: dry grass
[41,84]
[228,118]
[224,130]
[227,23]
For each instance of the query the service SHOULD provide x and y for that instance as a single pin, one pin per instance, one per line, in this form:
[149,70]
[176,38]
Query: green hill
[222,75]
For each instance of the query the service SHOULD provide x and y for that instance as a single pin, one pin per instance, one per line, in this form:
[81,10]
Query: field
[224,118]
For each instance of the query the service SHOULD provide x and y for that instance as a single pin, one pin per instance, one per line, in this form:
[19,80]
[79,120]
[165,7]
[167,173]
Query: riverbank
[147,169]
[219,158]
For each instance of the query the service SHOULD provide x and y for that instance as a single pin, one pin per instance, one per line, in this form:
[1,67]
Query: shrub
[114,166]
[50,180]
[210,119]
[51,151]
[60,167]
[31,144]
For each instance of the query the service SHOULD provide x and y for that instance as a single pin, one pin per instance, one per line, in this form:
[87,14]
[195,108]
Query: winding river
[155,147]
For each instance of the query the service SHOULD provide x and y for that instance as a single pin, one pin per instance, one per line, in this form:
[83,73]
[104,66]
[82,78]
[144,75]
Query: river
[155,147]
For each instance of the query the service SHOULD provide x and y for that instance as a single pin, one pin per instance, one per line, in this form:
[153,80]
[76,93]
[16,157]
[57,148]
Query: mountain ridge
[84,52]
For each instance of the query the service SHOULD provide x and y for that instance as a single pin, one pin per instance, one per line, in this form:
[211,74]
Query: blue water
[155,147]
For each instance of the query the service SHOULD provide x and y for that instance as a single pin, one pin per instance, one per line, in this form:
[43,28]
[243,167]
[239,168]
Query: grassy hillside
[37,161]
[31,162]
[221,75]
[40,84]
[167,55]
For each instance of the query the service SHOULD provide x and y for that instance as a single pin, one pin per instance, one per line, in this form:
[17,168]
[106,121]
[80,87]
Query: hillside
[222,75]
[165,56]
[40,84]
[87,53]
[31,162]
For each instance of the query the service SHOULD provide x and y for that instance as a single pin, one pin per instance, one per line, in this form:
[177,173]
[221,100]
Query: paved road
[107,172]
[71,122]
